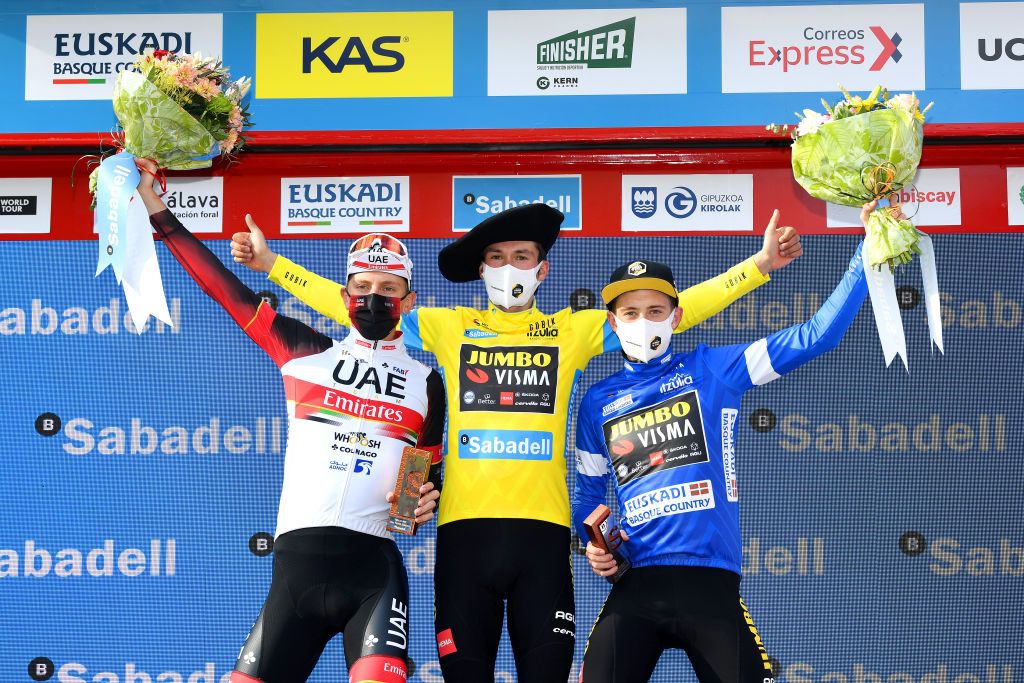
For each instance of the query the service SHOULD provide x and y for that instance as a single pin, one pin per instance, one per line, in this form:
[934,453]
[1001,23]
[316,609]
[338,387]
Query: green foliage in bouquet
[864,149]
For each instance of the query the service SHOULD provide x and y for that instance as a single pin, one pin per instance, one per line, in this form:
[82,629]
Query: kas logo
[637,268]
[354,54]
[644,200]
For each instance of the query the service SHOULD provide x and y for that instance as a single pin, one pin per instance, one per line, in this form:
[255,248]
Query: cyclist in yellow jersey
[510,373]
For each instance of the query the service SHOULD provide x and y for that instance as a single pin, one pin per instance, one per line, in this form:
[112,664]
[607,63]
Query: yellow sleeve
[319,293]
[710,297]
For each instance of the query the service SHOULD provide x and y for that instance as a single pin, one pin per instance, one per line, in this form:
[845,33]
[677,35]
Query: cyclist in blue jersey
[664,426]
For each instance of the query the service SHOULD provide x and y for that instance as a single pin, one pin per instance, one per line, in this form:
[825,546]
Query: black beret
[460,260]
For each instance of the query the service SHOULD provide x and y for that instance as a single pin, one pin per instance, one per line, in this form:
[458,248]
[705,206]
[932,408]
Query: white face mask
[510,286]
[643,339]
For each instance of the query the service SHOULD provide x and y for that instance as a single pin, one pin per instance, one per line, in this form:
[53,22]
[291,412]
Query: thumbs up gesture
[251,249]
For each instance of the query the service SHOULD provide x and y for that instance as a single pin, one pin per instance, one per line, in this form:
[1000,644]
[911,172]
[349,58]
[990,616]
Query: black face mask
[373,315]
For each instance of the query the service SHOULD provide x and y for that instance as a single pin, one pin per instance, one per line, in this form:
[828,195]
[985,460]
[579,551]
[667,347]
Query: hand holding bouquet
[860,150]
[182,111]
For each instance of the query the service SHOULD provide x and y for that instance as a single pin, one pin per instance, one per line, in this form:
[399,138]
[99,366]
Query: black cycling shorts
[481,563]
[697,609]
[329,580]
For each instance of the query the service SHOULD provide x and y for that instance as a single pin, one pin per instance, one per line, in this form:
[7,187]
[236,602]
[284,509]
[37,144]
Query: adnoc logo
[354,54]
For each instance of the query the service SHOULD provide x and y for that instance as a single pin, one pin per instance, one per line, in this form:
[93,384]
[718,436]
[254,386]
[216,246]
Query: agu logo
[355,54]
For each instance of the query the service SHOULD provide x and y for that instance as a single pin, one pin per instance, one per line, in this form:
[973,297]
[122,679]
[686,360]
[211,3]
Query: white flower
[905,102]
[811,122]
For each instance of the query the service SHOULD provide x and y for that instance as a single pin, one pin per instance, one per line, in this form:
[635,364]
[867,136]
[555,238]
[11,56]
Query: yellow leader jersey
[510,379]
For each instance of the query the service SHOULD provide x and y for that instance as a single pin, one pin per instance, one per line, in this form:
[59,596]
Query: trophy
[606,539]
[412,472]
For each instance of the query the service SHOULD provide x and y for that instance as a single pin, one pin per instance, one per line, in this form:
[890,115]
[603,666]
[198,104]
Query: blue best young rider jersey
[666,430]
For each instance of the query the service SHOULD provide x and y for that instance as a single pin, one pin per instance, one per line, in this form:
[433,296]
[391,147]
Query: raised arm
[319,293]
[282,338]
[746,365]
[702,301]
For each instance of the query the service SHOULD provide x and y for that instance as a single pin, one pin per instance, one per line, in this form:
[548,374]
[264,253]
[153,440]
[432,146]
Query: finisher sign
[654,438]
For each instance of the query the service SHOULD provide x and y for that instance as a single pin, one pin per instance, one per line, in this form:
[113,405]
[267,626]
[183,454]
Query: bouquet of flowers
[182,111]
[179,110]
[859,150]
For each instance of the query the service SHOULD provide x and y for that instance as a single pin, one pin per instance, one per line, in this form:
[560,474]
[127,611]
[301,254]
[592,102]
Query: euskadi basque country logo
[586,52]
[991,46]
[354,54]
[805,48]
[77,57]
[328,205]
[508,379]
[654,438]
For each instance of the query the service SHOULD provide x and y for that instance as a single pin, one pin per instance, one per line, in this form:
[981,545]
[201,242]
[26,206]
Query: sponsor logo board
[505,444]
[586,52]
[509,379]
[354,54]
[655,438]
[25,206]
[933,198]
[688,202]
[1015,196]
[347,204]
[992,45]
[475,198]
[77,57]
[811,48]
[197,202]
[669,500]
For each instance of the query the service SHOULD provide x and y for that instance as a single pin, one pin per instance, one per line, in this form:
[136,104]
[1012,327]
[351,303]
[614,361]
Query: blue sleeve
[411,329]
[591,468]
[744,366]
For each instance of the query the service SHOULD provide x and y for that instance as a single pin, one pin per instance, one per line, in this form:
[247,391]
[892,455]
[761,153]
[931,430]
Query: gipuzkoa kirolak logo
[354,54]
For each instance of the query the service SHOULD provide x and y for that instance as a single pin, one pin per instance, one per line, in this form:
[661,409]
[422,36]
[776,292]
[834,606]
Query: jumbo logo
[354,54]
[509,378]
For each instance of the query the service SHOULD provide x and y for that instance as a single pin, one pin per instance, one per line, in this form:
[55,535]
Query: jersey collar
[653,368]
[364,348]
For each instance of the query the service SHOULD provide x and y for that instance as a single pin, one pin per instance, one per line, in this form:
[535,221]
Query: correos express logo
[800,49]
[354,54]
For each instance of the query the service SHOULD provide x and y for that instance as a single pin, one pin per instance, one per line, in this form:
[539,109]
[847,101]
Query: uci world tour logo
[645,199]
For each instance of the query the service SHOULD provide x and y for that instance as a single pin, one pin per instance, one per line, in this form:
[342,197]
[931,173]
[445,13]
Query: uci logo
[354,53]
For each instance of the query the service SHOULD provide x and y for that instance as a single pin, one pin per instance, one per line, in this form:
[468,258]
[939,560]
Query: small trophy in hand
[607,539]
[412,473]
